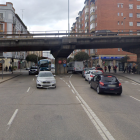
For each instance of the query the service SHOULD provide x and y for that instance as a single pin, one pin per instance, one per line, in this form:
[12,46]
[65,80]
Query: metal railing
[65,33]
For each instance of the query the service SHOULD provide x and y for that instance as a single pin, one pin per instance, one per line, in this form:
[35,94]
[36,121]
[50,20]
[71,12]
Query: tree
[124,59]
[80,56]
[70,59]
[32,58]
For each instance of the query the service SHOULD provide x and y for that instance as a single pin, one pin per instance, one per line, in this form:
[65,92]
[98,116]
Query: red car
[99,68]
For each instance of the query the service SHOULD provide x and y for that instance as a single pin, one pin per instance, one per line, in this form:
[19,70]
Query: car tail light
[91,76]
[84,71]
[109,76]
[120,84]
[101,83]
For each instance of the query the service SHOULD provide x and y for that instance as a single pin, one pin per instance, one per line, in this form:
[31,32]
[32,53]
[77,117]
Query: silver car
[45,79]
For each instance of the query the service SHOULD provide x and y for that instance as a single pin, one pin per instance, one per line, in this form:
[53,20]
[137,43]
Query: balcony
[86,11]
[92,18]
[92,27]
[86,18]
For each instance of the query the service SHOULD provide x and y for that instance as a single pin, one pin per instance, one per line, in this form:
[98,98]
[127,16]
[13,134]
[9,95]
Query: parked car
[93,73]
[106,84]
[99,68]
[84,70]
[87,74]
[33,70]
[105,33]
[45,79]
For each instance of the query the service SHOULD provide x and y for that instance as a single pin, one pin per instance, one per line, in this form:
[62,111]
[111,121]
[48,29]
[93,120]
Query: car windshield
[109,79]
[34,67]
[45,74]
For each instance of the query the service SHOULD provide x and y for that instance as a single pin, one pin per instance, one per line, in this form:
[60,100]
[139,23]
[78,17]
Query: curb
[10,78]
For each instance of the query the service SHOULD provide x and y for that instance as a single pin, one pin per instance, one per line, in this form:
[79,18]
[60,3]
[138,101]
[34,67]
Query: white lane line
[134,83]
[78,99]
[126,81]
[28,89]
[33,79]
[73,91]
[70,76]
[135,98]
[12,118]
[101,128]
[69,86]
[66,83]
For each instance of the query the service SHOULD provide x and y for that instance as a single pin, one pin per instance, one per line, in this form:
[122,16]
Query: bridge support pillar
[60,65]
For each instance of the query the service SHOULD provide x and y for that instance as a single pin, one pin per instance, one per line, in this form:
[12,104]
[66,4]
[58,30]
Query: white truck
[75,66]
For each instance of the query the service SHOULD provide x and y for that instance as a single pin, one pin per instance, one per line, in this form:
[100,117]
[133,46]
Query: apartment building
[10,23]
[117,16]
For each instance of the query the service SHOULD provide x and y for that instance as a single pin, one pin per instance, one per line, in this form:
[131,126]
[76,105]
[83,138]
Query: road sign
[59,61]
[64,61]
[64,65]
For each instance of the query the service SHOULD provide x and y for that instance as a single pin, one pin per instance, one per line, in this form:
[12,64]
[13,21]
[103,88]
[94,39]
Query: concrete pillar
[59,68]
[138,60]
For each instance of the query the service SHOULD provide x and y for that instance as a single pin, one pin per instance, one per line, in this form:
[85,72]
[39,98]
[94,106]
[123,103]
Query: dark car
[33,70]
[105,33]
[106,84]
[99,68]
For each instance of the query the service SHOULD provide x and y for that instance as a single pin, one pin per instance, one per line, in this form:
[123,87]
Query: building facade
[10,23]
[117,16]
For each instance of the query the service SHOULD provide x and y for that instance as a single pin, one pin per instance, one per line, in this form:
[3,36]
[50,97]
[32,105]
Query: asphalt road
[72,111]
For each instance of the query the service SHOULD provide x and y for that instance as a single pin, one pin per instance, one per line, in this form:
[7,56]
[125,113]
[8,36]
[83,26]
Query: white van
[75,66]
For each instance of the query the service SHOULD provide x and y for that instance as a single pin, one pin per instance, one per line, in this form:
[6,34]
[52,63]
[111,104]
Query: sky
[47,15]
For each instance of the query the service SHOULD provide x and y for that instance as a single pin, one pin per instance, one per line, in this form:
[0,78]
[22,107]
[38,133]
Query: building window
[130,6]
[131,32]
[130,14]
[138,6]
[118,23]
[138,32]
[138,23]
[121,14]
[122,23]
[138,15]
[118,49]
[118,5]
[1,27]
[1,16]
[130,23]
[121,5]
[118,14]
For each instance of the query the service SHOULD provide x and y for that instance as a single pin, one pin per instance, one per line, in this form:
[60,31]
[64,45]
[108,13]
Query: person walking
[125,68]
[115,68]
[105,68]
[6,68]
[129,68]
[9,68]
[109,67]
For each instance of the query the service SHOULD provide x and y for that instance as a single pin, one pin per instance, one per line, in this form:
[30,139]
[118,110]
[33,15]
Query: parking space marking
[69,86]
[106,135]
[12,118]
[135,98]
[78,99]
[28,89]
[134,83]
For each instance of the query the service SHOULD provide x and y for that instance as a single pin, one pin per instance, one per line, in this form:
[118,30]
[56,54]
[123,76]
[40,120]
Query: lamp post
[124,23]
[68,17]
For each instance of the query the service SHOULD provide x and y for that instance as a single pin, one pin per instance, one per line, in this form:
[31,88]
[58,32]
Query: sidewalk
[8,75]
[134,77]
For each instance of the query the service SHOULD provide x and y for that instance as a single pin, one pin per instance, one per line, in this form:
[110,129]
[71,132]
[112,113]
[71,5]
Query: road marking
[95,120]
[66,83]
[33,79]
[135,98]
[73,91]
[12,118]
[63,80]
[126,81]
[120,79]
[134,83]
[78,99]
[28,89]
[70,76]
[69,86]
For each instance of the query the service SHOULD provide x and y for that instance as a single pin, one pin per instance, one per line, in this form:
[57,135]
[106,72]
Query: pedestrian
[133,70]
[109,67]
[125,68]
[105,68]
[115,68]
[9,68]
[129,68]
[6,68]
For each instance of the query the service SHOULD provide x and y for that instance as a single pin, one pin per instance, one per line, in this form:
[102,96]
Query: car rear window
[98,72]
[99,69]
[33,67]
[109,79]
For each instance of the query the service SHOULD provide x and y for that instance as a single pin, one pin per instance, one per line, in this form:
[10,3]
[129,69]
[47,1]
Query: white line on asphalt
[101,128]
[63,80]
[135,98]
[12,118]
[66,83]
[126,81]
[73,91]
[33,79]
[28,89]
[69,86]
[70,76]
[134,83]
[78,99]
[120,79]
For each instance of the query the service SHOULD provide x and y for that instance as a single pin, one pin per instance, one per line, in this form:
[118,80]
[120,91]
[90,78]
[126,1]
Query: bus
[44,65]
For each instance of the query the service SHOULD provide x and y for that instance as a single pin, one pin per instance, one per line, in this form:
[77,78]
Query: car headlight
[38,81]
[53,81]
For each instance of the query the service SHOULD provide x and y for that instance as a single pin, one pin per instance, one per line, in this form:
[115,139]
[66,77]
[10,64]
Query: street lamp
[68,18]
[124,23]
